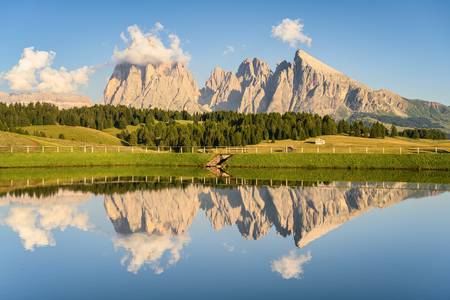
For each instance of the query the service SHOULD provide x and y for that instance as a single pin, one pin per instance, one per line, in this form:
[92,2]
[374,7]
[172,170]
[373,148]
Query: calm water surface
[187,240]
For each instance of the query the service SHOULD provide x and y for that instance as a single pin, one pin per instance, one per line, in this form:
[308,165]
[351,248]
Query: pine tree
[394,132]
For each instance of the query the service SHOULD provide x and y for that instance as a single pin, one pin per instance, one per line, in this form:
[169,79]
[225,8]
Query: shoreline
[307,161]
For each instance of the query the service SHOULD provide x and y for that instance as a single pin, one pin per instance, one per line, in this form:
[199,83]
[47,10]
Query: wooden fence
[227,150]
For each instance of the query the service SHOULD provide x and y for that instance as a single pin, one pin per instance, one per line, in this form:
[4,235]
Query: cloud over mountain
[291,32]
[34,72]
[145,48]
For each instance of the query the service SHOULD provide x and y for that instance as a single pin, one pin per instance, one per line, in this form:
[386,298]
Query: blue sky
[388,44]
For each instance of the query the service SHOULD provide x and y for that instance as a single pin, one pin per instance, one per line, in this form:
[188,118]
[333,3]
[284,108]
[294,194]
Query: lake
[204,237]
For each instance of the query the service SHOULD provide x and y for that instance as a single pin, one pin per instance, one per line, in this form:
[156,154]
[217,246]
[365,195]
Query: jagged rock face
[61,100]
[305,213]
[304,85]
[222,91]
[168,86]
[244,91]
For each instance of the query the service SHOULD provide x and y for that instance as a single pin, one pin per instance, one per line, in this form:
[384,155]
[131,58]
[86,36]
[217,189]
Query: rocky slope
[59,99]
[305,84]
[166,86]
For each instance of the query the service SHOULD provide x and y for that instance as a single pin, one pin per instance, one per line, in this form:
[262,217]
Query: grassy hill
[115,131]
[8,139]
[75,133]
[358,144]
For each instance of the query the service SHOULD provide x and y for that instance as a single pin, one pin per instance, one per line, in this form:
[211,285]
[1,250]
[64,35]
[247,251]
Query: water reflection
[151,223]
[143,249]
[291,265]
[35,218]
[305,213]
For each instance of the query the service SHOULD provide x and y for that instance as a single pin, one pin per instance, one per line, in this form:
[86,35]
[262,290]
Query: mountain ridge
[305,84]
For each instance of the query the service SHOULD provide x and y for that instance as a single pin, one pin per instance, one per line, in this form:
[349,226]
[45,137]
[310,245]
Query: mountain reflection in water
[152,223]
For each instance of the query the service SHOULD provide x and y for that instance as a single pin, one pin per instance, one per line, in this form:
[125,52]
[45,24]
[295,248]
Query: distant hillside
[75,133]
[58,99]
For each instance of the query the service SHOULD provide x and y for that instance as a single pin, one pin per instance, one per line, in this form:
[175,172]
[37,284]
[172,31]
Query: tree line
[179,128]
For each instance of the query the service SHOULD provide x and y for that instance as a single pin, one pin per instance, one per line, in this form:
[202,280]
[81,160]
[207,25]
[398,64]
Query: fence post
[181,149]
[158,149]
[71,149]
[400,150]
[435,150]
[418,151]
[285,149]
[105,149]
[270,149]
[11,149]
[132,149]
[367,150]
[334,150]
[204,149]
[302,149]
[383,150]
[170,149]
[317,149]
[192,149]
[28,149]
[84,149]
[146,149]
[92,149]
[256,150]
[118,148]
[57,149]
[349,150]
[43,149]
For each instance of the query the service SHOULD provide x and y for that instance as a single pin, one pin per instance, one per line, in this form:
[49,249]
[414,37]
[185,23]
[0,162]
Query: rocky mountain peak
[305,84]
[305,59]
[166,86]
[251,69]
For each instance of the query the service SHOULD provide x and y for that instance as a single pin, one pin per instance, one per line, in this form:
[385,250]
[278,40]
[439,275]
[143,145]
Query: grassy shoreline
[342,161]
[274,160]
[36,160]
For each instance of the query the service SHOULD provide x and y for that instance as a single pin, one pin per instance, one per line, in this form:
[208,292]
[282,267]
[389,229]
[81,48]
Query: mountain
[166,86]
[62,100]
[244,91]
[303,85]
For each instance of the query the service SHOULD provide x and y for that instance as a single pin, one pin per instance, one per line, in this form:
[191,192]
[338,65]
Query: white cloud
[229,50]
[34,72]
[23,221]
[23,75]
[34,225]
[291,32]
[143,249]
[143,48]
[291,265]
[228,247]
[158,27]
[62,80]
